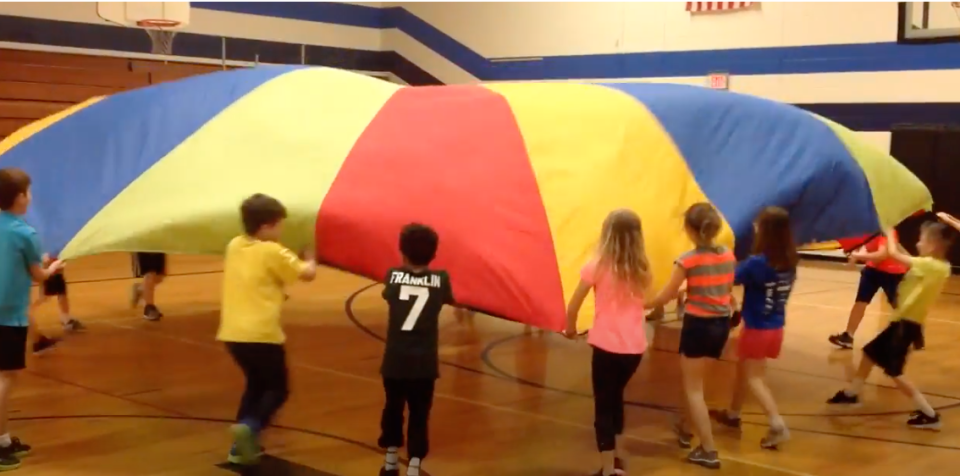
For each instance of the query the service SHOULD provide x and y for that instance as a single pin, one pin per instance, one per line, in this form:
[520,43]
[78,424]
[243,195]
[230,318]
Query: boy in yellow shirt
[255,270]
[918,290]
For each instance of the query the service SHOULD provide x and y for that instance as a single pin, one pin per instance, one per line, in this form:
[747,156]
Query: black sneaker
[921,421]
[8,462]
[73,325]
[724,418]
[18,448]
[841,398]
[389,472]
[842,340]
[151,313]
[44,344]
[702,457]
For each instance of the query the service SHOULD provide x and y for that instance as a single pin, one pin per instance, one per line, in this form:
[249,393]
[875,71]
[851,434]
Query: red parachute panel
[454,159]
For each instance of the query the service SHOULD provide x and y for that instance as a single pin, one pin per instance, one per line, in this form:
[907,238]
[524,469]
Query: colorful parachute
[517,178]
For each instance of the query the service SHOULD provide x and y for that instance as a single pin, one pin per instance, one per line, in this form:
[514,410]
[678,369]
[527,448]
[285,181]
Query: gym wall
[840,60]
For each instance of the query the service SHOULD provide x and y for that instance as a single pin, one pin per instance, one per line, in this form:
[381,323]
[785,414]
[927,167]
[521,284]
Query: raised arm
[949,220]
[894,250]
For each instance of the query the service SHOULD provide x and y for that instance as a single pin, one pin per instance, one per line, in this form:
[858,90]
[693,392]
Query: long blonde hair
[622,249]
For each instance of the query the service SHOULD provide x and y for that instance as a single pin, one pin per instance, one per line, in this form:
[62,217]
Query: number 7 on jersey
[420,295]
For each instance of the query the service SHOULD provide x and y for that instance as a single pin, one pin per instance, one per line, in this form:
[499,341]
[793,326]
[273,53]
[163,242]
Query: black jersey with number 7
[415,299]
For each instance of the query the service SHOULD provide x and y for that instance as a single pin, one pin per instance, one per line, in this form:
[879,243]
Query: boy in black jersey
[415,294]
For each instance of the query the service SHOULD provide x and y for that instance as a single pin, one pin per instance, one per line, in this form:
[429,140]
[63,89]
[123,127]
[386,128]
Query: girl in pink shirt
[618,275]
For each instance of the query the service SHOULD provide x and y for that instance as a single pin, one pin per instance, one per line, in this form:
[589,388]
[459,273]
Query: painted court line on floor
[869,312]
[557,421]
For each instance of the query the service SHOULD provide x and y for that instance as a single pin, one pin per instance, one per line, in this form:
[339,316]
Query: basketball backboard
[134,13]
[927,22]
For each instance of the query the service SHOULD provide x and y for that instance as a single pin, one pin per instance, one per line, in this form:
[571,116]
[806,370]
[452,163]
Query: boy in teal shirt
[21,264]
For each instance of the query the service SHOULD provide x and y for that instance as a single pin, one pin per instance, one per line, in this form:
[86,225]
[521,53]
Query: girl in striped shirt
[708,270]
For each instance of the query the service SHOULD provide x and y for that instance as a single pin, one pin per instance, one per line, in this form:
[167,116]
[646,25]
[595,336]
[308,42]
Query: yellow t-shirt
[920,287]
[254,275]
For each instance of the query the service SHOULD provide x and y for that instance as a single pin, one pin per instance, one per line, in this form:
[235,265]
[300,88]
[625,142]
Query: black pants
[417,395]
[611,372]
[265,368]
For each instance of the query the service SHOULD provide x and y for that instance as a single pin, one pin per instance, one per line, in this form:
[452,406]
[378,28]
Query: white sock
[390,462]
[855,387]
[5,440]
[733,414]
[923,405]
[776,421]
[413,469]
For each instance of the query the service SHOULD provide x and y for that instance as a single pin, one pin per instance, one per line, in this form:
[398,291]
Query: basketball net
[161,40]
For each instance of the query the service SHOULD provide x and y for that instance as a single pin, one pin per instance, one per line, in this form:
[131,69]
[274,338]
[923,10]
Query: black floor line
[501,375]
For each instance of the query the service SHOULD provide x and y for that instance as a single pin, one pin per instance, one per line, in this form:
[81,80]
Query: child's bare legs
[8,380]
[856,317]
[150,283]
[693,370]
[681,422]
[860,378]
[620,452]
[147,292]
[910,391]
[731,417]
[11,449]
[755,370]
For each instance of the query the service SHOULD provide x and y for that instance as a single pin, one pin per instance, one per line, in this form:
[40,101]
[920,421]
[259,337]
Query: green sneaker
[246,449]
[233,457]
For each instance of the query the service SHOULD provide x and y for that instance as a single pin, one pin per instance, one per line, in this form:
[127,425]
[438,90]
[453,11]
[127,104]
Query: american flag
[715,6]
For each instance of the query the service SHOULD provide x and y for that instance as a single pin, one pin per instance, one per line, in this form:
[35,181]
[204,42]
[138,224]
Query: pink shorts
[760,343]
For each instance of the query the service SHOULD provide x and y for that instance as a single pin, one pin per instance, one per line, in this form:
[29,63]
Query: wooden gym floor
[130,397]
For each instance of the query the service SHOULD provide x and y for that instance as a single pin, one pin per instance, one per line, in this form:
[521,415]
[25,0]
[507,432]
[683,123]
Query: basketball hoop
[161,24]
[161,40]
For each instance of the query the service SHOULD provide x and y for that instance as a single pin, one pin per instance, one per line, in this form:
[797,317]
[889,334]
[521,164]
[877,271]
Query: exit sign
[718,81]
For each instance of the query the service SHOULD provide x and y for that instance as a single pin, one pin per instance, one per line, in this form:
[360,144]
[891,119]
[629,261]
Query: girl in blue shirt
[767,278]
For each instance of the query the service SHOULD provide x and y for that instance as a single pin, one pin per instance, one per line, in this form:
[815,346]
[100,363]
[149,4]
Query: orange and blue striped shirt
[710,272]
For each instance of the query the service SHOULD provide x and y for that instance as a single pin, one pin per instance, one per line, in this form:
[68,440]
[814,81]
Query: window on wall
[933,155]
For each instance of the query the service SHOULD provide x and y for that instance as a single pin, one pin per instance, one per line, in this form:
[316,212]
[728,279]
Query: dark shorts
[873,280]
[146,263]
[890,348]
[704,336]
[13,348]
[55,286]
